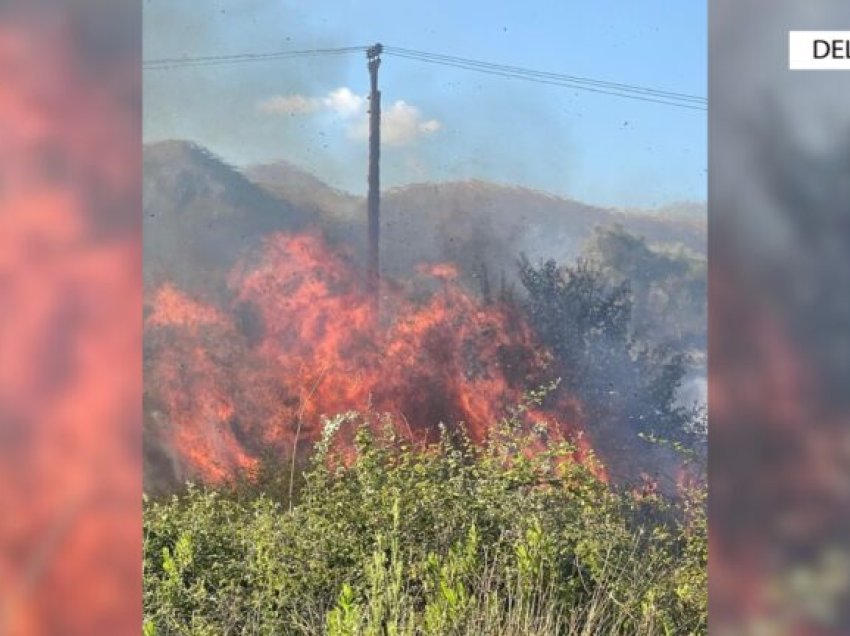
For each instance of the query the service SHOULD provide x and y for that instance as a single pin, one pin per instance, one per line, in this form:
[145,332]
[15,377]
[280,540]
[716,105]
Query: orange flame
[69,346]
[224,391]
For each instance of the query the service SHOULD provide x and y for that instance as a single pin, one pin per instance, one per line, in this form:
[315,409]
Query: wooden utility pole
[373,55]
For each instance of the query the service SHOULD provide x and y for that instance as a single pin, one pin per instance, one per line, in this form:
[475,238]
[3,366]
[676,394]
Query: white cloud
[401,123]
[345,102]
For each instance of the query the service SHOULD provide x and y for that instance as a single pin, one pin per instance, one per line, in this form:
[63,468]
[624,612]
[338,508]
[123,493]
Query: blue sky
[442,123]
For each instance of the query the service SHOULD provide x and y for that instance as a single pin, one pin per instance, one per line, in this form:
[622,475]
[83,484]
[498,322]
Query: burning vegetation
[259,321]
[429,468]
[299,340]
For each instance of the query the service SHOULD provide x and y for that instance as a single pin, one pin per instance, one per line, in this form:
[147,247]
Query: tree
[586,323]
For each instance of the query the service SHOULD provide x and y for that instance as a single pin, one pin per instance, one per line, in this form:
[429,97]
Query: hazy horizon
[441,123]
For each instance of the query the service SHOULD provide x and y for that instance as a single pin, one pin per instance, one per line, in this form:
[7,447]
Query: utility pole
[373,55]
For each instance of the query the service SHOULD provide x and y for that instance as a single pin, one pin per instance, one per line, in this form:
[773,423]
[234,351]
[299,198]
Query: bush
[587,324]
[440,539]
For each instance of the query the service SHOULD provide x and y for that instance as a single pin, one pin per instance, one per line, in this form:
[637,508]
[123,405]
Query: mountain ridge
[202,213]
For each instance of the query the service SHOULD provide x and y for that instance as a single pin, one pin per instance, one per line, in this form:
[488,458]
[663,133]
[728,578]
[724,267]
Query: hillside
[673,223]
[480,226]
[286,181]
[477,224]
[200,215]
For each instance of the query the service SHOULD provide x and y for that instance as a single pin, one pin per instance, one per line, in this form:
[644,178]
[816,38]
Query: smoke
[223,99]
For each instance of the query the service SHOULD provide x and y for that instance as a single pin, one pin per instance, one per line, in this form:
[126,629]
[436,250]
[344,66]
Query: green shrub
[441,539]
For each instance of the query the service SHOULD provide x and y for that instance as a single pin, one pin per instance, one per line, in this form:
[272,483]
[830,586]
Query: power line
[638,93]
[423,55]
[215,60]
[628,91]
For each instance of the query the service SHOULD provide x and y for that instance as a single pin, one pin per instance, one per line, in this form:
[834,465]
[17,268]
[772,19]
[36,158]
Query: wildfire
[298,340]
[69,347]
[171,307]
[442,271]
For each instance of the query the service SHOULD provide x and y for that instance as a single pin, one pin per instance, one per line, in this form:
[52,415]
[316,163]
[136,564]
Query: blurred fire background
[779,325]
[70,325]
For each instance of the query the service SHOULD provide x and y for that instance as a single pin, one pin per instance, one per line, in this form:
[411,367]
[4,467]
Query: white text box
[819,50]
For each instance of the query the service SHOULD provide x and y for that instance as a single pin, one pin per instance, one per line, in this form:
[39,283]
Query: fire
[69,347]
[299,339]
[171,307]
[442,271]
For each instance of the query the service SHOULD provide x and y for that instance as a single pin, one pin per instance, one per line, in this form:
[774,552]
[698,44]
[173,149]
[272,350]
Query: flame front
[298,339]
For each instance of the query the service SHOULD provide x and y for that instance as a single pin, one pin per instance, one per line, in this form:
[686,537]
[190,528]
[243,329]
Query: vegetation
[622,380]
[515,536]
[438,539]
